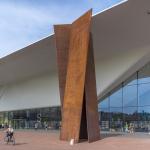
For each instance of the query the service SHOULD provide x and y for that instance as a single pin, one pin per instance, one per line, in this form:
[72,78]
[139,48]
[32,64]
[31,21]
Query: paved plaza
[49,140]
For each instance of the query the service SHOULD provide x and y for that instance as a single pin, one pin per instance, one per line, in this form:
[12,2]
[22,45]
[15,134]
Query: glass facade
[27,119]
[128,104]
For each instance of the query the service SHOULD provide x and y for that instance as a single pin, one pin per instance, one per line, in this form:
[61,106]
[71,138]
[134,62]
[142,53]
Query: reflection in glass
[130,117]
[144,113]
[144,74]
[133,97]
[130,95]
[144,94]
[104,103]
[116,119]
[144,119]
[25,119]
[1,118]
[116,99]
[104,119]
[130,114]
[131,80]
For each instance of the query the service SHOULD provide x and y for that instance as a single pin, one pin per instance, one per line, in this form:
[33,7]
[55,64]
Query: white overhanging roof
[122,28]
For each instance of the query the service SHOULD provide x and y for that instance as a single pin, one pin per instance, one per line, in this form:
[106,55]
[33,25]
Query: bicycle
[9,139]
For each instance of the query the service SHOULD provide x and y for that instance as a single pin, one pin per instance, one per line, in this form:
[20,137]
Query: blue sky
[23,22]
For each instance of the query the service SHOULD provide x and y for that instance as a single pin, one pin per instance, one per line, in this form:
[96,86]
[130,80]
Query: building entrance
[27,119]
[18,123]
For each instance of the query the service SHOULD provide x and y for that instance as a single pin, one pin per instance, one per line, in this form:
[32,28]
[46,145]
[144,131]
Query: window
[130,114]
[144,113]
[129,104]
[104,119]
[144,74]
[28,118]
[116,119]
[116,98]
[144,94]
[104,114]
[104,103]
[131,80]
[130,96]
[144,119]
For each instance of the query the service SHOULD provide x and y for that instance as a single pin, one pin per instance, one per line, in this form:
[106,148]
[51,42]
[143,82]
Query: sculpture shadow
[107,135]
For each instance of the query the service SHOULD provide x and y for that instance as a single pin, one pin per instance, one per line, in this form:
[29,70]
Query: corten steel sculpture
[77,82]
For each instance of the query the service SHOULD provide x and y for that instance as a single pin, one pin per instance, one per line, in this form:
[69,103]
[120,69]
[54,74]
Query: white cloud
[24,23]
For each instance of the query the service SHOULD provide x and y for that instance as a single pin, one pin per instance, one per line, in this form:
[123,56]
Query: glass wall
[33,118]
[104,111]
[128,105]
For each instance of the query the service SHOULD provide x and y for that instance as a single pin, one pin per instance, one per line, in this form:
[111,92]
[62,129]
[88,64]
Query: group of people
[46,126]
[129,127]
[36,125]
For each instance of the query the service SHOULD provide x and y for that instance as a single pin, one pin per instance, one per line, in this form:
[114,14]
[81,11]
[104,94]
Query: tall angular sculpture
[77,82]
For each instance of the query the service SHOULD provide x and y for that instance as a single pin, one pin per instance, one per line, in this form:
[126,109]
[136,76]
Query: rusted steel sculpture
[77,82]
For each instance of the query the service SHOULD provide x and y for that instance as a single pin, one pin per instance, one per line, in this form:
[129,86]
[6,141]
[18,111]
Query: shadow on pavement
[21,143]
[107,135]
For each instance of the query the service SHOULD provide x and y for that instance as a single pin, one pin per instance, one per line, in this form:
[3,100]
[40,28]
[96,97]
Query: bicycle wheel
[13,140]
[6,139]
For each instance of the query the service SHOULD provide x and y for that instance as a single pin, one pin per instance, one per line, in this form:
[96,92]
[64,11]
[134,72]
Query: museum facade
[29,88]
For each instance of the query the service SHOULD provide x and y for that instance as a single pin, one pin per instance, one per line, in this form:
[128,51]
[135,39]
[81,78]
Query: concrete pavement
[42,140]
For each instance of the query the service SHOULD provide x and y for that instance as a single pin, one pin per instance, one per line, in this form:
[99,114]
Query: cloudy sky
[23,22]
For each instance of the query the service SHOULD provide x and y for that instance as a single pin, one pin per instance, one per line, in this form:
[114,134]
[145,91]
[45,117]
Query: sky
[23,22]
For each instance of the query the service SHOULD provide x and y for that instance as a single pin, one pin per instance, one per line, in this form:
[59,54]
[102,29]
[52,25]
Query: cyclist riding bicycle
[10,132]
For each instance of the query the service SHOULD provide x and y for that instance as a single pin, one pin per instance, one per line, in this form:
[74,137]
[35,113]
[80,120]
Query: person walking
[36,126]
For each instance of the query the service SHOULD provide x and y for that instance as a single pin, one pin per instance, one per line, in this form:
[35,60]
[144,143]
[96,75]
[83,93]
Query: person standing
[45,125]
[36,126]
[126,127]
